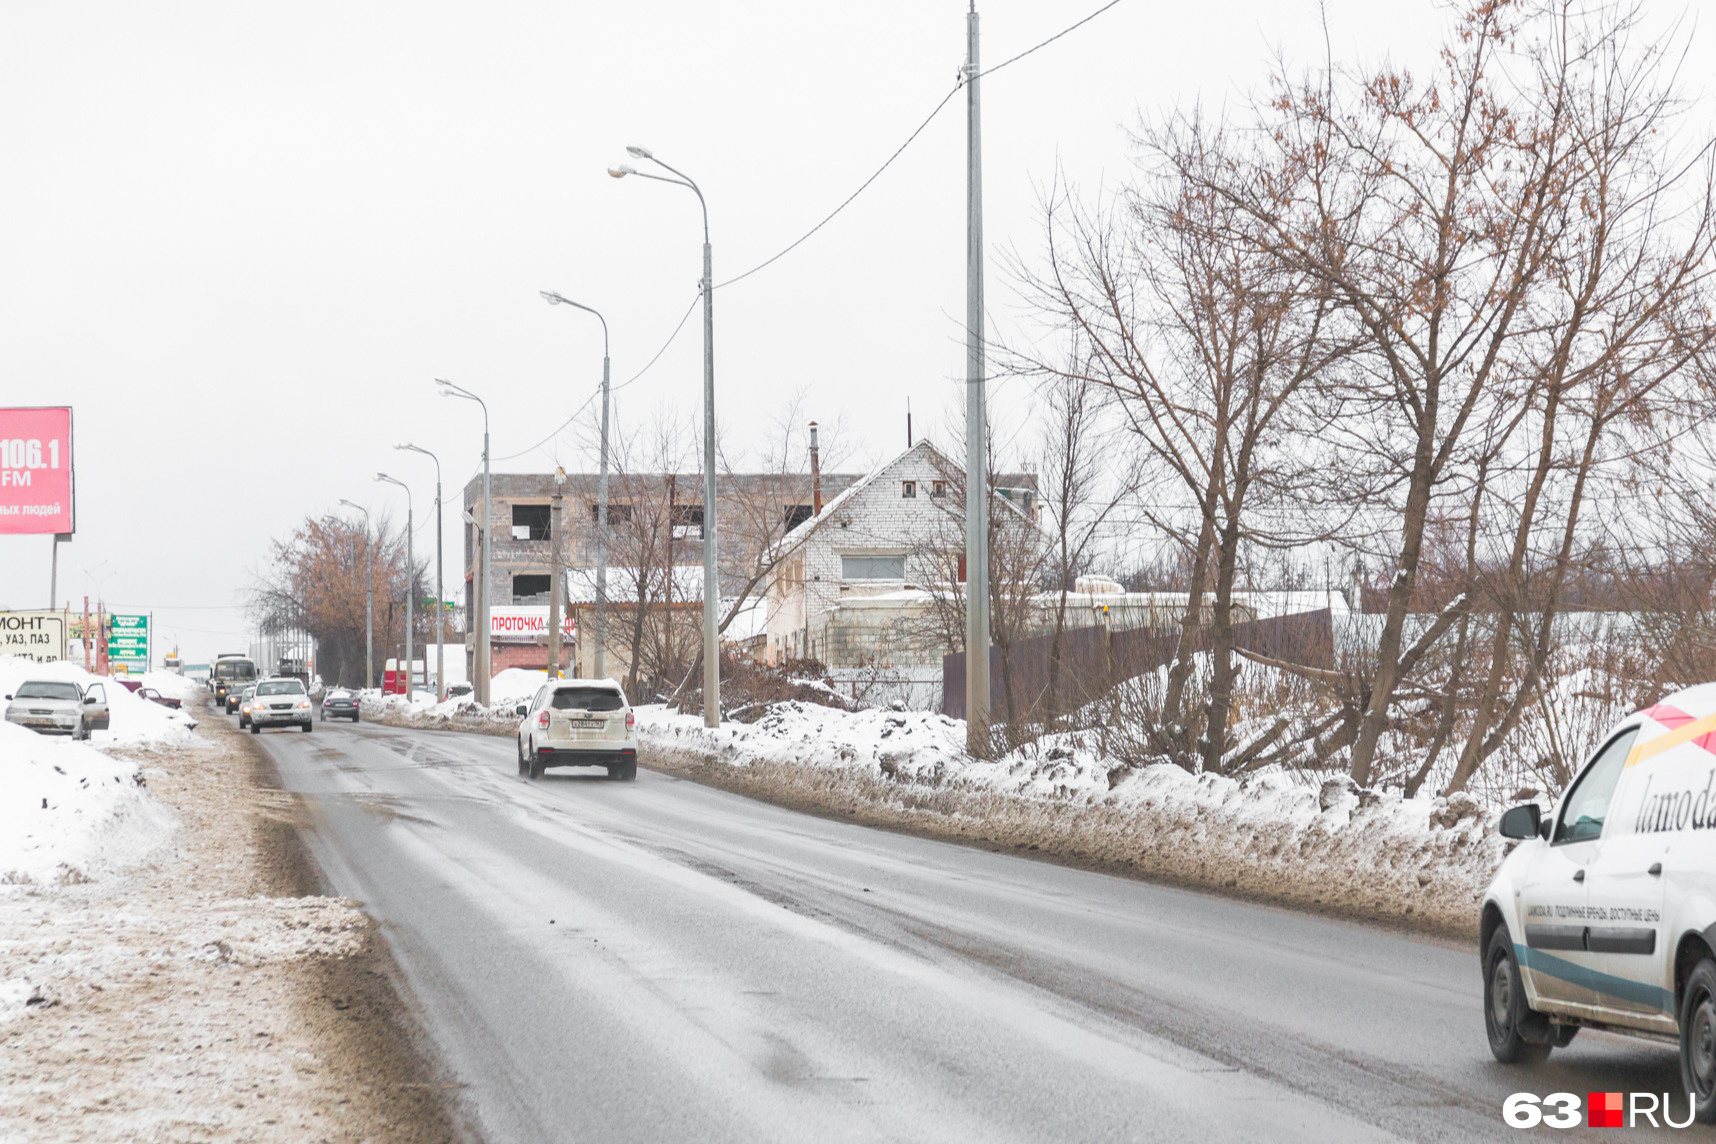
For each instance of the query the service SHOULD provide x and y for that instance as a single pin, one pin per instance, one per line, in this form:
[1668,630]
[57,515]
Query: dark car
[339,703]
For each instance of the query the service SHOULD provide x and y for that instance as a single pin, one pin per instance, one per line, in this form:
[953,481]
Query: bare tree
[1204,339]
[1494,235]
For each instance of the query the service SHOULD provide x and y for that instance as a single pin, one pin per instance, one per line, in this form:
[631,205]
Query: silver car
[58,707]
[280,702]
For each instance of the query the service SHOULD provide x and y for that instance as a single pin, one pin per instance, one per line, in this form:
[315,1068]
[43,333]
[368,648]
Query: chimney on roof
[815,475]
[908,423]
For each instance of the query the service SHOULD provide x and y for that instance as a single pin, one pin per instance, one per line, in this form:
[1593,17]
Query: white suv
[1605,914]
[578,723]
[280,701]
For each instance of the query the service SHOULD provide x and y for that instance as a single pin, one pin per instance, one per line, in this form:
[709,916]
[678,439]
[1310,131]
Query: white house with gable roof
[853,590]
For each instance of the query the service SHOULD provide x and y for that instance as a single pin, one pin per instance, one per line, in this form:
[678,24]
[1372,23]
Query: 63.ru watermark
[1597,1110]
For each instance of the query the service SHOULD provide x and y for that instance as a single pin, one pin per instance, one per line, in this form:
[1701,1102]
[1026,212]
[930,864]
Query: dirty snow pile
[506,690]
[1268,833]
[68,811]
[134,721]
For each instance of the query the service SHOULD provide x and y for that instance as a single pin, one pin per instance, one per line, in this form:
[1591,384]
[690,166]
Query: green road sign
[129,623]
[119,644]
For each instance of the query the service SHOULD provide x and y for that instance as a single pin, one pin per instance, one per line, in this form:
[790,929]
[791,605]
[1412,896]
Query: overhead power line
[586,403]
[877,173]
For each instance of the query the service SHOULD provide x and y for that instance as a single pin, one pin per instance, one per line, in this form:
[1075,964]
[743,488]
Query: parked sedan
[339,703]
[154,696]
[58,707]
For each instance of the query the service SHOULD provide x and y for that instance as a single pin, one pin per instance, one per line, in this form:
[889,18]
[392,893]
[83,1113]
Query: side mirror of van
[521,709]
[1522,822]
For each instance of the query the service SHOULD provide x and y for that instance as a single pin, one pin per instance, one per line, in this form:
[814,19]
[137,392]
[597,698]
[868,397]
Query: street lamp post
[440,600]
[410,575]
[601,636]
[481,635]
[711,586]
[368,599]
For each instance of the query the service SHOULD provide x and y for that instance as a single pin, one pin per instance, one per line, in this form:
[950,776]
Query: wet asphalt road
[659,961]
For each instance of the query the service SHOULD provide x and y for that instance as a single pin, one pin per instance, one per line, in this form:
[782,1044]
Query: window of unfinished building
[530,521]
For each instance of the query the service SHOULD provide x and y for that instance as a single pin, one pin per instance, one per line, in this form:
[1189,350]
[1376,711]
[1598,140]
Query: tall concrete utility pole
[556,516]
[601,635]
[711,583]
[976,419]
[440,600]
[484,523]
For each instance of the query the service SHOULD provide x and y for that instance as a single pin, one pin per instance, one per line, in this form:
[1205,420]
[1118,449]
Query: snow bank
[134,721]
[506,690]
[1422,861]
[68,812]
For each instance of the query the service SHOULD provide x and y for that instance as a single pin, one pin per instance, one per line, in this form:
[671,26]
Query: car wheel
[1505,1011]
[1698,1040]
[523,766]
[629,771]
[255,730]
[535,766]
[354,716]
[308,726]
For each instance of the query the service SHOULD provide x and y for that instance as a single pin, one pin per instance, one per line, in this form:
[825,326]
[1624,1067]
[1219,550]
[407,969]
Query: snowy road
[662,961]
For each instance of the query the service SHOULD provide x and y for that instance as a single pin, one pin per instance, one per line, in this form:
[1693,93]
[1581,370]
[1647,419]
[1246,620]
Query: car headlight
[304,703]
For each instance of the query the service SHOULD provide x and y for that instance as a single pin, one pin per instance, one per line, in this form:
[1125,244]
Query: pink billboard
[35,470]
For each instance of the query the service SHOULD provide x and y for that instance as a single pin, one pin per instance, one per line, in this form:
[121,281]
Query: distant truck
[229,676]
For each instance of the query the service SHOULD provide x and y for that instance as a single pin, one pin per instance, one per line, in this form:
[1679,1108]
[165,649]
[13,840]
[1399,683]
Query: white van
[1605,914]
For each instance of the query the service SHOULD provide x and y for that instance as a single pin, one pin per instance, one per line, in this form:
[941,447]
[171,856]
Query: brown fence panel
[1096,659]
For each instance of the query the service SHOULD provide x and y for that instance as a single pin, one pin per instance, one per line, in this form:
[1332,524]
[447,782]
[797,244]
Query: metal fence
[1093,660]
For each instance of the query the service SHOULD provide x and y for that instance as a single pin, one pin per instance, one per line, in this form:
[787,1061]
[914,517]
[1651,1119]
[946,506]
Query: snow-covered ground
[70,811]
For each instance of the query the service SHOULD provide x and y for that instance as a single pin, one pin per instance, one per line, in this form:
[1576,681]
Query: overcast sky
[242,239]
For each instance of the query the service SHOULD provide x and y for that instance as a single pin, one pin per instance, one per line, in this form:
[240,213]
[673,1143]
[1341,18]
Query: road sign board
[128,642]
[40,636]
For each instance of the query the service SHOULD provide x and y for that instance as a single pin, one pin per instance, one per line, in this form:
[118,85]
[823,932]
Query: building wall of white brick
[874,518]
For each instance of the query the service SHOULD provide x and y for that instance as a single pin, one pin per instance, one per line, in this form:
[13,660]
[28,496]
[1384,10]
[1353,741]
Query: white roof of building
[804,530]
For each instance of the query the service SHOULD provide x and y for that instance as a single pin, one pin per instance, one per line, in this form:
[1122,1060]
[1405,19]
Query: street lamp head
[402,445]
[445,386]
[550,297]
[637,152]
[620,171]
[382,477]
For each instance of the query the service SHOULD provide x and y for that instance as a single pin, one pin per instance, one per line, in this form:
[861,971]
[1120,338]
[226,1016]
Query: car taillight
[542,720]
[631,720]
